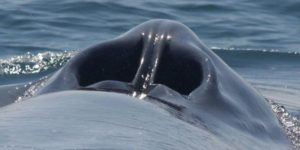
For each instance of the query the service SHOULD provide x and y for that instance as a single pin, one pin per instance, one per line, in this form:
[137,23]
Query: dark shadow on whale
[164,62]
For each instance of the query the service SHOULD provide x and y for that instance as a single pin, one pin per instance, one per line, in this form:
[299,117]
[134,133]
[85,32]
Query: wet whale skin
[156,86]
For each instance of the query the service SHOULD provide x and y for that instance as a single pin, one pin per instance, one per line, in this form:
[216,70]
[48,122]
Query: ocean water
[258,39]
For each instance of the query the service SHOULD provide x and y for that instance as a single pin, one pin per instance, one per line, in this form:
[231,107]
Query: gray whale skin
[157,86]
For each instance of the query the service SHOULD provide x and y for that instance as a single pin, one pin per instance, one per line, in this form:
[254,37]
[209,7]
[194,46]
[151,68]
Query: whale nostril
[179,71]
[110,63]
[177,67]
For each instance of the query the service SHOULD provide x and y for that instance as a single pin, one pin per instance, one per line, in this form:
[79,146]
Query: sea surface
[258,39]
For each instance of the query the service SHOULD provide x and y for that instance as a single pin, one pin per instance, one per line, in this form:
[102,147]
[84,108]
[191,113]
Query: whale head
[165,63]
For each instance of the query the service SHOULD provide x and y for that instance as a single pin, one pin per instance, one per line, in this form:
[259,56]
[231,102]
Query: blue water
[34,25]
[258,39]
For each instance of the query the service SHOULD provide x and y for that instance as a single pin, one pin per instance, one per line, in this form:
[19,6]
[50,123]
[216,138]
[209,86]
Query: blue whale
[156,86]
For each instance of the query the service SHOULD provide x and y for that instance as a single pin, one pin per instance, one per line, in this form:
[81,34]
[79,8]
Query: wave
[259,55]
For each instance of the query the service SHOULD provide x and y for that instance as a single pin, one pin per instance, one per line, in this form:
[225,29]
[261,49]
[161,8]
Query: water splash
[290,124]
[32,88]
[34,63]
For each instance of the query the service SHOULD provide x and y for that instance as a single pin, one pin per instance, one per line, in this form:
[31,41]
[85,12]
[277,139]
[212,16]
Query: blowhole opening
[119,61]
[179,71]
